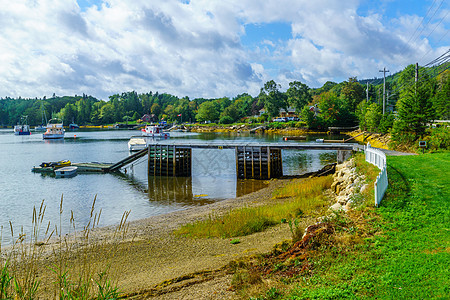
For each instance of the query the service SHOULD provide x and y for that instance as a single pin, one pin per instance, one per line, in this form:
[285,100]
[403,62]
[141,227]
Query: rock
[333,186]
[349,205]
[364,187]
[342,200]
[336,207]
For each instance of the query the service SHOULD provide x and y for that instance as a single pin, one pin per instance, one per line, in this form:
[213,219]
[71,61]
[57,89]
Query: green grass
[297,198]
[403,251]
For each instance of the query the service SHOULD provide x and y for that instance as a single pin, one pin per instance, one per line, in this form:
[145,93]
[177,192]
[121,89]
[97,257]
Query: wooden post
[260,162]
[174,161]
[268,162]
[253,165]
[237,161]
[245,164]
[148,162]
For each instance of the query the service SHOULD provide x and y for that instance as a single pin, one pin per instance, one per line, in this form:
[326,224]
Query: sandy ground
[155,263]
[157,255]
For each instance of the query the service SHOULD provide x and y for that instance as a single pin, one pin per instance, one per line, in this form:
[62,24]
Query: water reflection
[296,162]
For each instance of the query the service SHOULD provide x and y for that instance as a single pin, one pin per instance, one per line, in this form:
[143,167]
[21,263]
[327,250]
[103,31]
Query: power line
[417,28]
[429,20]
[436,43]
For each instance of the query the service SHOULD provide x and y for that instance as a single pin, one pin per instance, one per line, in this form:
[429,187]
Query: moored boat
[55,130]
[56,164]
[40,128]
[22,128]
[154,131]
[73,126]
[137,144]
[66,171]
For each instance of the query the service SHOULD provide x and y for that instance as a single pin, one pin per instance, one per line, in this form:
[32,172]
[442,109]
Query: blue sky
[211,49]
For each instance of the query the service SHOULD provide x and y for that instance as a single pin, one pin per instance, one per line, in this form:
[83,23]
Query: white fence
[378,158]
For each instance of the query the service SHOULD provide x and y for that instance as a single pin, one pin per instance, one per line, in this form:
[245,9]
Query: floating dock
[92,167]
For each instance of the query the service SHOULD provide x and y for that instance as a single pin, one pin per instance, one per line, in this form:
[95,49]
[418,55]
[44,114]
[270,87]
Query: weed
[5,282]
[235,241]
[71,260]
[296,230]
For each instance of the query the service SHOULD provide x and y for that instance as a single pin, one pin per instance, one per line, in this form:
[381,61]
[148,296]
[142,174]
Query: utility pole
[416,77]
[367,92]
[384,87]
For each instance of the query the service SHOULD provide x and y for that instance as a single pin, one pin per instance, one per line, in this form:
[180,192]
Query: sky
[209,48]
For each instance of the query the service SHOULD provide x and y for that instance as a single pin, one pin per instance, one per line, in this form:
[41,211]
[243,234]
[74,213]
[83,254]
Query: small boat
[66,171]
[137,144]
[40,128]
[55,130]
[154,131]
[73,126]
[56,164]
[22,128]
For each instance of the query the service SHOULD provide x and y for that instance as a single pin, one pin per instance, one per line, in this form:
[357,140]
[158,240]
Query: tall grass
[298,197]
[49,264]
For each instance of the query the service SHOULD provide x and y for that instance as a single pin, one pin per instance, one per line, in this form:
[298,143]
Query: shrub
[226,120]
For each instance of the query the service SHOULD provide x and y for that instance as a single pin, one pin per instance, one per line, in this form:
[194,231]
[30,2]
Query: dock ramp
[127,160]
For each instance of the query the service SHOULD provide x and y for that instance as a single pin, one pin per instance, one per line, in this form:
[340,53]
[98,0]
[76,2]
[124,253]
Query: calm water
[213,178]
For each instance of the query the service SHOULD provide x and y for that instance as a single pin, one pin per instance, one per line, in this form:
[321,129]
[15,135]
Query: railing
[378,158]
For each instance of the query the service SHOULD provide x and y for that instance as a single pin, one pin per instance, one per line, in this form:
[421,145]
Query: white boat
[55,130]
[22,128]
[154,131]
[66,171]
[40,128]
[137,144]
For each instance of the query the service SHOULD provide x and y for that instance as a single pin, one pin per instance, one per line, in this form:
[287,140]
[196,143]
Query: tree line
[347,103]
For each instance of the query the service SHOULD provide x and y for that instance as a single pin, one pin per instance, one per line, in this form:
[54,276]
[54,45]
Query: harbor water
[213,178]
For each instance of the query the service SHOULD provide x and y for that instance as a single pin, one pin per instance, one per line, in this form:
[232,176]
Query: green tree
[156,109]
[69,113]
[414,111]
[207,111]
[298,95]
[360,113]
[373,117]
[107,113]
[231,112]
[353,92]
[441,100]
[272,98]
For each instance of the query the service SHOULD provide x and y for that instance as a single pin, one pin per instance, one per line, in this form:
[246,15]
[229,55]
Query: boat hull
[66,171]
[22,133]
[52,136]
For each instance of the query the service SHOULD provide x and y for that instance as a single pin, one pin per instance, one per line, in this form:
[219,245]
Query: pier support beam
[169,161]
[258,162]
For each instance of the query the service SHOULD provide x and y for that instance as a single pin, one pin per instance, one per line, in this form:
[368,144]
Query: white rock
[336,207]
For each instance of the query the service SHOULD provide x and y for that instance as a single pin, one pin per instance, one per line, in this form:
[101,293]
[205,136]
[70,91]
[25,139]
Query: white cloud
[193,49]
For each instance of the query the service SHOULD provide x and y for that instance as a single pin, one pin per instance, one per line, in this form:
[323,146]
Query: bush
[226,120]
[439,138]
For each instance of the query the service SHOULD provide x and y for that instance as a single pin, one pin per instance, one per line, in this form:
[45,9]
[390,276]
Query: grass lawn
[400,250]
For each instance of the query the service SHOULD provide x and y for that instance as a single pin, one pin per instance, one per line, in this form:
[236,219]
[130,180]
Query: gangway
[127,160]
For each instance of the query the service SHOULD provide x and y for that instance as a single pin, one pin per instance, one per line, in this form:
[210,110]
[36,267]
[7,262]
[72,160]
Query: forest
[418,94]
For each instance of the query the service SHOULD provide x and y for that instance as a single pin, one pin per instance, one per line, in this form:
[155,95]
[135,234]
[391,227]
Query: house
[283,113]
[148,118]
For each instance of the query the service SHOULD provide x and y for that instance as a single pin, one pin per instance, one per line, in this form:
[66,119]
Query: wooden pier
[169,161]
[253,160]
[258,162]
